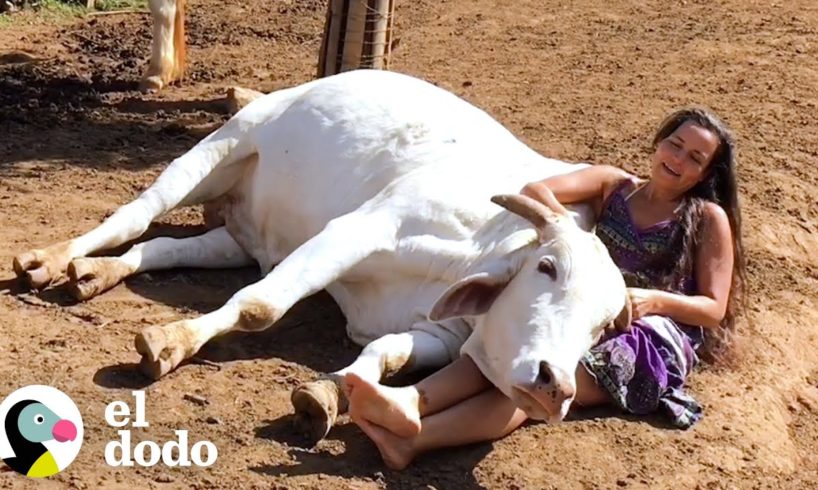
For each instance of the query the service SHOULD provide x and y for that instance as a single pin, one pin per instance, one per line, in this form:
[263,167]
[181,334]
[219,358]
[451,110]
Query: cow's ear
[472,295]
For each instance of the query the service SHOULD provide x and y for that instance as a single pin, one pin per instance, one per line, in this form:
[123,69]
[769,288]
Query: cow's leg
[238,98]
[167,61]
[205,172]
[43,267]
[318,403]
[343,243]
[215,249]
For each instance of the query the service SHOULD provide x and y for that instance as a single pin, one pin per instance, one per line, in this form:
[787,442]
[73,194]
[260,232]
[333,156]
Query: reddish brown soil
[580,80]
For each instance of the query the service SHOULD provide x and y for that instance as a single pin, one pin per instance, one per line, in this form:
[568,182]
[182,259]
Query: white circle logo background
[58,402]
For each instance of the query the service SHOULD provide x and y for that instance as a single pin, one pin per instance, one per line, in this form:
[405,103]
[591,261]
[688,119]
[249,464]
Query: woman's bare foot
[396,452]
[394,409]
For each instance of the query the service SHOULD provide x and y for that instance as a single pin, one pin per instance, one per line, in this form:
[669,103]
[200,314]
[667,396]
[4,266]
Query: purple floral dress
[644,369]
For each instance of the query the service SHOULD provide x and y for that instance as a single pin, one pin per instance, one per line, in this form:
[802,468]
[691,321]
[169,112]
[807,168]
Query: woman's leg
[399,410]
[487,416]
[589,393]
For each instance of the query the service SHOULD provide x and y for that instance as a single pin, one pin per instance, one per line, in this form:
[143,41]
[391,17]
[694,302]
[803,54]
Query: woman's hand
[645,302]
[699,310]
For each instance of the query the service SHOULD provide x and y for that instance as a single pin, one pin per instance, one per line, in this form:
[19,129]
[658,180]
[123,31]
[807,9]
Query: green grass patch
[61,11]
[108,5]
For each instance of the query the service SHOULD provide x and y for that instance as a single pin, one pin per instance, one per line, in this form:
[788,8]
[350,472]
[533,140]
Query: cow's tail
[179,41]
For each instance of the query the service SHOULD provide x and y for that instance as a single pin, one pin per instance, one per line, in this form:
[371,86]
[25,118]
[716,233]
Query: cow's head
[540,308]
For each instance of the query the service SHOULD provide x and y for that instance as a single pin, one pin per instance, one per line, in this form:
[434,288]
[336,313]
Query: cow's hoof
[91,277]
[160,349]
[151,84]
[41,268]
[83,281]
[316,408]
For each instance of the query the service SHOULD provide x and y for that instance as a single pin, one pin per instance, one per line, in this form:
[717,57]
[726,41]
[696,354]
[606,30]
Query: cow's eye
[547,266]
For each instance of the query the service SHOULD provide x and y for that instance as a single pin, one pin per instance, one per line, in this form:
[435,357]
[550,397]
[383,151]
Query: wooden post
[357,34]
[380,11]
[354,35]
[329,57]
[389,30]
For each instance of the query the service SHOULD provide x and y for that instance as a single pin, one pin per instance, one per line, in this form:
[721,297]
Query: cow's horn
[623,320]
[534,211]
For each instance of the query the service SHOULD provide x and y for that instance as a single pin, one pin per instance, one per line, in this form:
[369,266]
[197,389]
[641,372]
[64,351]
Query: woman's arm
[592,185]
[714,276]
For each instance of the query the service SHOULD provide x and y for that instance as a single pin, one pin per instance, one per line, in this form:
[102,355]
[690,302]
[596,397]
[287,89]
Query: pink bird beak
[64,430]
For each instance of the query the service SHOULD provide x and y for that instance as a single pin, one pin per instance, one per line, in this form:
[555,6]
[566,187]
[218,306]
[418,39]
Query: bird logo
[41,431]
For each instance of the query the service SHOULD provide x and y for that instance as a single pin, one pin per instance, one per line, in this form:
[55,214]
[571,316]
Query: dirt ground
[580,80]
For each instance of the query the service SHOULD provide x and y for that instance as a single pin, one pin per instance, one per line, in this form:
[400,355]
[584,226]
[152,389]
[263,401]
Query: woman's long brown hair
[719,187]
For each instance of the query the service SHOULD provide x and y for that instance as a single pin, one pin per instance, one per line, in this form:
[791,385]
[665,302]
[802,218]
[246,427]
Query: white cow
[378,187]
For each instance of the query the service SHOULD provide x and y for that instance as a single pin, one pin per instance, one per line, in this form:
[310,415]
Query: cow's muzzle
[545,397]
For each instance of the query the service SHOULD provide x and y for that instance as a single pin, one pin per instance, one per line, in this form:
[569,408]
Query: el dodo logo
[41,431]
[148,453]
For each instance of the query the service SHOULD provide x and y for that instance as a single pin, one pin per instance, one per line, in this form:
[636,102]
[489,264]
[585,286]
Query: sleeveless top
[635,250]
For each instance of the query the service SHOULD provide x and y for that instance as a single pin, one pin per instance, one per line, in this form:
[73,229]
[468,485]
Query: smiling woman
[676,238]
[678,231]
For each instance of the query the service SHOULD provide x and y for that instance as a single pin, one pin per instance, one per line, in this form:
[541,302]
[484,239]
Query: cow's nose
[545,376]
[550,390]
[556,381]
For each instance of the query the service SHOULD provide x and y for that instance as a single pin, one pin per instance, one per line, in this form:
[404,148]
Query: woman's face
[681,160]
